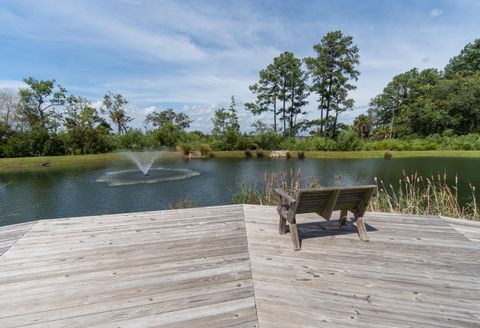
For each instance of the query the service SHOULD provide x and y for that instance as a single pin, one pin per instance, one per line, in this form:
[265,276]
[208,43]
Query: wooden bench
[324,201]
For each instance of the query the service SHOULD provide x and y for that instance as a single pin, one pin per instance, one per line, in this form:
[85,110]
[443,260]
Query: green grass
[396,154]
[69,161]
[43,162]
[47,162]
[360,154]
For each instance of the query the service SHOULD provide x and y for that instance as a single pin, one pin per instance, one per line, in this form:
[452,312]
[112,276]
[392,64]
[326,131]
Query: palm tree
[363,124]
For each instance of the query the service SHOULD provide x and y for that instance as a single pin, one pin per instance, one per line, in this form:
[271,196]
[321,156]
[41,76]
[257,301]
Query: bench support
[362,231]
[295,238]
[343,218]
[282,225]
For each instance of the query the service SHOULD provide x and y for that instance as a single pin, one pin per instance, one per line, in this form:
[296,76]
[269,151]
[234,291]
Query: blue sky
[193,55]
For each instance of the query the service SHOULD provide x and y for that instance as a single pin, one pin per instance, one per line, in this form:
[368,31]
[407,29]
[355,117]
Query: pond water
[117,188]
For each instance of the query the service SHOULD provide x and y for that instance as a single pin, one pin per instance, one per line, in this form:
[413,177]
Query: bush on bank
[22,145]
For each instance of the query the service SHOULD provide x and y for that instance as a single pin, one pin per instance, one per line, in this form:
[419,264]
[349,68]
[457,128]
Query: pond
[117,188]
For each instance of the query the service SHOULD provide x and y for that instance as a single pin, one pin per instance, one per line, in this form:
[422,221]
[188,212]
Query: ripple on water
[155,175]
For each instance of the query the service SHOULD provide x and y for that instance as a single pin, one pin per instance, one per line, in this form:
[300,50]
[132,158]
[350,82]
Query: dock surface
[227,266]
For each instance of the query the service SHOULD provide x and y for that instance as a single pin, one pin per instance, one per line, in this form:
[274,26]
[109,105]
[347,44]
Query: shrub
[204,149]
[185,148]
[269,140]
[134,139]
[348,140]
[288,143]
[245,142]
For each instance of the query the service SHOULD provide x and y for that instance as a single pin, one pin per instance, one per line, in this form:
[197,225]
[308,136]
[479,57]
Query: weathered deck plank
[10,234]
[227,266]
[415,272]
[170,268]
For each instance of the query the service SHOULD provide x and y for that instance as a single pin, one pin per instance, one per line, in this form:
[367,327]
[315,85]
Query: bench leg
[362,231]
[343,218]
[282,225]
[295,238]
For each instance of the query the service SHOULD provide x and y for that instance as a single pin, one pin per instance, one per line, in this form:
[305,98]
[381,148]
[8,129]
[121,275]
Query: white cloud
[149,110]
[436,12]
[12,84]
[98,104]
[193,56]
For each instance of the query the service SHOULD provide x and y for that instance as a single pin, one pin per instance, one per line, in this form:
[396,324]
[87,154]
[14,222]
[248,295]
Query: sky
[192,56]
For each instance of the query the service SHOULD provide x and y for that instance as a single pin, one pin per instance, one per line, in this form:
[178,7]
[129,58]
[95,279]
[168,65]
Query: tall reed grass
[414,194]
[431,195]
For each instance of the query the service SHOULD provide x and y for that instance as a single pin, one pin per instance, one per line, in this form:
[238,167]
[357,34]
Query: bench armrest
[280,192]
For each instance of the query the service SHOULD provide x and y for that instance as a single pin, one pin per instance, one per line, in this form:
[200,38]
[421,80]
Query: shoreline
[51,162]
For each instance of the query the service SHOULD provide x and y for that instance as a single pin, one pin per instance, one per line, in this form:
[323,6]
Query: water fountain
[143,160]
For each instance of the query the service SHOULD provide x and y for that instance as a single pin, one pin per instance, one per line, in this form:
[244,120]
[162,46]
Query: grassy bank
[52,162]
[359,154]
[27,163]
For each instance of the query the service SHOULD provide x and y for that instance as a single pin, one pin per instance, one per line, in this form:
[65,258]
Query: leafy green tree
[115,105]
[39,101]
[259,127]
[226,120]
[284,80]
[400,104]
[160,119]
[332,71]
[363,125]
[293,90]
[38,116]
[453,104]
[9,100]
[466,63]
[226,127]
[86,129]
[168,126]
[267,91]
[133,139]
[220,122]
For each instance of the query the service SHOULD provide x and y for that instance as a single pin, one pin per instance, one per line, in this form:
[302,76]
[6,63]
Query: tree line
[429,101]
[416,108]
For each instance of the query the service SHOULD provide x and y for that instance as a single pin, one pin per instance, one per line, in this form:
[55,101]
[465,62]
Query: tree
[332,71]
[86,130]
[226,127]
[399,105]
[452,104]
[363,125]
[38,103]
[341,103]
[8,107]
[168,126]
[225,121]
[232,122]
[259,127]
[160,119]
[219,120]
[284,80]
[267,91]
[297,90]
[115,103]
[466,63]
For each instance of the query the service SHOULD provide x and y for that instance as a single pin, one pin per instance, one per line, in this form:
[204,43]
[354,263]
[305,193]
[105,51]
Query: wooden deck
[227,266]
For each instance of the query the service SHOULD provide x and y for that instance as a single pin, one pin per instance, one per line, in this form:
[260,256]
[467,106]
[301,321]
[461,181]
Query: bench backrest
[326,200]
